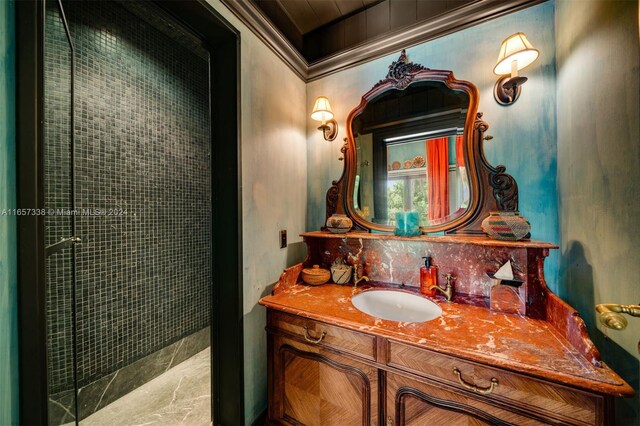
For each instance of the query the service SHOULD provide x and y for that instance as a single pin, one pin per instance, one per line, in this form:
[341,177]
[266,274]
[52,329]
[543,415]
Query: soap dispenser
[428,277]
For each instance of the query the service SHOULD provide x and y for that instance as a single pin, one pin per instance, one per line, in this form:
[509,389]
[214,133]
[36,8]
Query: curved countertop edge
[622,389]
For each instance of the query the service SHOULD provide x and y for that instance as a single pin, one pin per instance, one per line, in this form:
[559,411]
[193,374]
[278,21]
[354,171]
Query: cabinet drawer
[335,337]
[410,402]
[568,406]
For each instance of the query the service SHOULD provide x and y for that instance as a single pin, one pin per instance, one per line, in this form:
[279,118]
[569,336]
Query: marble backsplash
[390,259]
[398,260]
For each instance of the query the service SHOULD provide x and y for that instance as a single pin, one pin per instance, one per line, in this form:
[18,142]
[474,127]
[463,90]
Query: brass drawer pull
[310,339]
[475,388]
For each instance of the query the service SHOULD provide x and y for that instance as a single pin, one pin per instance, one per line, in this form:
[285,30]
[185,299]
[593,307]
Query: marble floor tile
[180,396]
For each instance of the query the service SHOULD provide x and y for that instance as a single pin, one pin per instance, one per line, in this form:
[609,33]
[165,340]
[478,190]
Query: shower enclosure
[127,202]
[128,166]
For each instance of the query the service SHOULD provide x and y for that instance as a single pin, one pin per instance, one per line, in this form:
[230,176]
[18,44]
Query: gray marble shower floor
[180,396]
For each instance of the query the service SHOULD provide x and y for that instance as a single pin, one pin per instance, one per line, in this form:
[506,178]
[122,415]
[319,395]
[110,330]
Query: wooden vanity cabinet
[549,402]
[419,402]
[315,384]
[323,374]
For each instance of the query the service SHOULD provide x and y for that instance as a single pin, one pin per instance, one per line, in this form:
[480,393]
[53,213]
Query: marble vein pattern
[109,388]
[465,329]
[398,260]
[539,335]
[180,396]
[105,390]
[61,408]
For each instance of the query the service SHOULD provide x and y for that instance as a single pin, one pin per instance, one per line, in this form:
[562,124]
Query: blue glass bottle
[407,224]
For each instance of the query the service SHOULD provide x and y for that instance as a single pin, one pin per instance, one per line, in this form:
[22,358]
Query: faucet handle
[449,277]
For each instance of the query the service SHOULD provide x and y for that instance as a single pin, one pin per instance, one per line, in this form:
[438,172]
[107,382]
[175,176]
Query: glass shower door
[59,220]
[127,174]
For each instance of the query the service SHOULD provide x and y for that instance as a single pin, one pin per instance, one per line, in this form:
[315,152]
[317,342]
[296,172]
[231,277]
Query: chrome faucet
[448,289]
[356,275]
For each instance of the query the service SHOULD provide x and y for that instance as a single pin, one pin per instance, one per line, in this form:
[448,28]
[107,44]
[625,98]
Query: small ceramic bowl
[315,275]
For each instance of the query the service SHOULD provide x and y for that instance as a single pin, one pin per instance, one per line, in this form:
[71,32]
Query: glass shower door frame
[227,304]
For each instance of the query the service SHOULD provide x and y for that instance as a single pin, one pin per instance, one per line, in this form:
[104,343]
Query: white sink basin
[396,305]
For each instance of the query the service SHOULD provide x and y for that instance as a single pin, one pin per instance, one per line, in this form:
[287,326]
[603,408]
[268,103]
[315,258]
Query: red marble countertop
[508,341]
[445,239]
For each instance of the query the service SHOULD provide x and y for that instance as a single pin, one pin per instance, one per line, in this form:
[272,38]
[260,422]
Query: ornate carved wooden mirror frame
[491,189]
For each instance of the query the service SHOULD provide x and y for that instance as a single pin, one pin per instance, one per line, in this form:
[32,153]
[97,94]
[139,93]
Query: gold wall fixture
[322,112]
[610,314]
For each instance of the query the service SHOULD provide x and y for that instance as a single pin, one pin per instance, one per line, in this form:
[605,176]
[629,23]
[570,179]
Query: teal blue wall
[598,81]
[8,272]
[524,133]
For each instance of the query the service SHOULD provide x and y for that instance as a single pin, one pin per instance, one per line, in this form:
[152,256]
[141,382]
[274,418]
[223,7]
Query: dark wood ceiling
[321,28]
[345,33]
[307,15]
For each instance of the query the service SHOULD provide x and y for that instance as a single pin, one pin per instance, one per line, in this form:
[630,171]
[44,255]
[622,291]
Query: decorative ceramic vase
[506,226]
[340,272]
[315,275]
[339,223]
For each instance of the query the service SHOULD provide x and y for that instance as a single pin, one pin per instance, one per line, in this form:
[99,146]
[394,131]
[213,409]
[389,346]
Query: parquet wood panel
[337,381]
[564,403]
[317,387]
[410,402]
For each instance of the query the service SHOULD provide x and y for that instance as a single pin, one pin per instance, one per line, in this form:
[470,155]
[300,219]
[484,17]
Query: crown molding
[394,41]
[262,27]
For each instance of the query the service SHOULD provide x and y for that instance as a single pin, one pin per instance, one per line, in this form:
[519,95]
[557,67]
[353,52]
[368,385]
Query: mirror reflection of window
[428,176]
[459,184]
[393,173]
[407,179]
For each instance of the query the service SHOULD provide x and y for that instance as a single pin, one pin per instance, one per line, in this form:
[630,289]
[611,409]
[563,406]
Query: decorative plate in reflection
[407,164]
[418,161]
[395,165]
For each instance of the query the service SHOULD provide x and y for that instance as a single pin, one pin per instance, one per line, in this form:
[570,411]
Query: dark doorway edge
[227,353]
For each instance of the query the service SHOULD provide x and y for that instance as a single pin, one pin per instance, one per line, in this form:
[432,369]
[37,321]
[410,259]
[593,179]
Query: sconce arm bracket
[507,90]
[329,129]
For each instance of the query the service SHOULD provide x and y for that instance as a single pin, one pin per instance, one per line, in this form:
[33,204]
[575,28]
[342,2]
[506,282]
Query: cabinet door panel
[410,402]
[568,405]
[316,387]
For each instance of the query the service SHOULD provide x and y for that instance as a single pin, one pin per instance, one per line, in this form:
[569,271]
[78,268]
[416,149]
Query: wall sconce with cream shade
[322,112]
[515,53]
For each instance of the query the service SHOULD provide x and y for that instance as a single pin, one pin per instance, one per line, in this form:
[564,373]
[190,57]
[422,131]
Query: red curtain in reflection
[459,151]
[438,178]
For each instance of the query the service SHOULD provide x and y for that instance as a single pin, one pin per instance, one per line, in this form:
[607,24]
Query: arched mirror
[409,147]
[415,144]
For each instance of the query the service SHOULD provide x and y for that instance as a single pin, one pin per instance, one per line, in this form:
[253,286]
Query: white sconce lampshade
[515,53]
[322,112]
[516,48]
[322,109]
